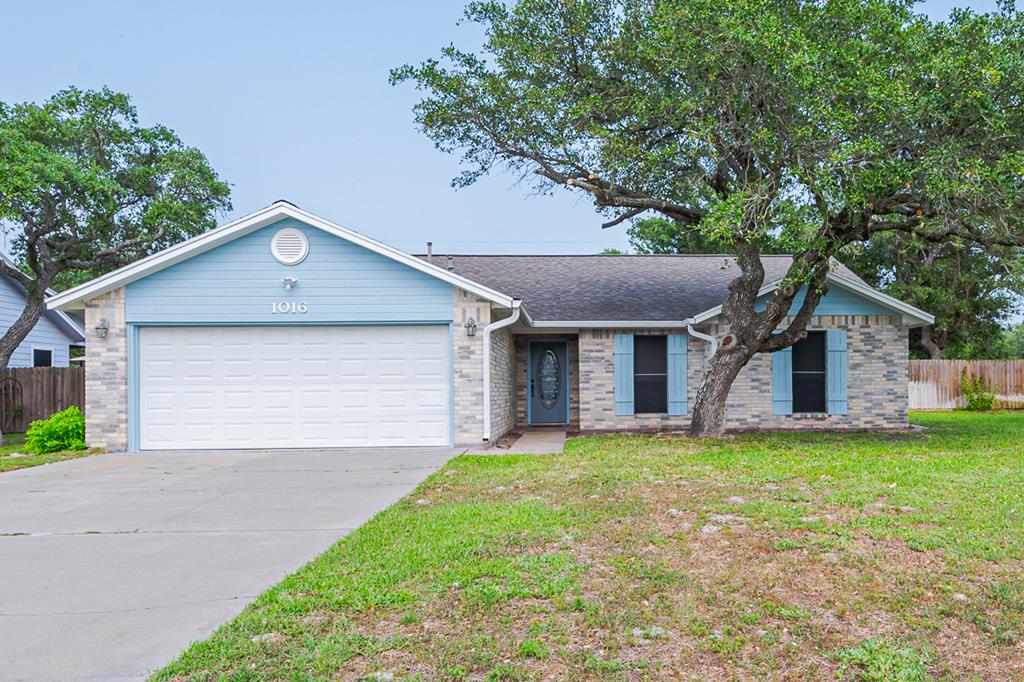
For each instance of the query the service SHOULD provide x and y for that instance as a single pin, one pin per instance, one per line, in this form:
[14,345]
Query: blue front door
[549,385]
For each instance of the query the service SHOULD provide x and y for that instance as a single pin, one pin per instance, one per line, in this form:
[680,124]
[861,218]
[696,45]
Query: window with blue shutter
[677,345]
[782,381]
[624,375]
[837,367]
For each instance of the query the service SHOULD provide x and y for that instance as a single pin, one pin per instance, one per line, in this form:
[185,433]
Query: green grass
[15,443]
[782,556]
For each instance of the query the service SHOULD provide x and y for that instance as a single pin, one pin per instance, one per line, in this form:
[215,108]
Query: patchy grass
[14,444]
[759,557]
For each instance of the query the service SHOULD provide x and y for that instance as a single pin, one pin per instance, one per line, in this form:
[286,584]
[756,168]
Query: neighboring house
[50,341]
[284,330]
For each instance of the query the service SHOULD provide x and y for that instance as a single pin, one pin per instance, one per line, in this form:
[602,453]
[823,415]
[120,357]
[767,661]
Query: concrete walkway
[111,565]
[538,443]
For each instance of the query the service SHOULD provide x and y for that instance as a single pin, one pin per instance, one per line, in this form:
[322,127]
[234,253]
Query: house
[284,330]
[50,341]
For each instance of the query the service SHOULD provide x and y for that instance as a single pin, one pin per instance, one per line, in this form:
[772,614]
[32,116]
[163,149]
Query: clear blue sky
[291,100]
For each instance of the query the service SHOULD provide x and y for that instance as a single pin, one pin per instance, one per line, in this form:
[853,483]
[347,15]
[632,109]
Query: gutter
[501,324]
[703,337]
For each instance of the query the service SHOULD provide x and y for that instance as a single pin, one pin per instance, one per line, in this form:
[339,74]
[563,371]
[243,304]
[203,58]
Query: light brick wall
[503,383]
[106,374]
[877,381]
[469,367]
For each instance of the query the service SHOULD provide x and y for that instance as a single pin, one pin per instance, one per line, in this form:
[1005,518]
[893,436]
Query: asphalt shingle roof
[615,288]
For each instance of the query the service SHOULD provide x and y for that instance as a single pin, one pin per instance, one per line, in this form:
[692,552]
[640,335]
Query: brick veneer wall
[106,374]
[469,367]
[877,381]
[503,383]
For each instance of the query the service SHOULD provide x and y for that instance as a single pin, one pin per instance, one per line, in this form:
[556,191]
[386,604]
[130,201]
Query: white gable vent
[289,246]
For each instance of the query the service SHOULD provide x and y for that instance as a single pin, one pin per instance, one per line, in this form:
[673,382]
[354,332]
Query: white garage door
[293,387]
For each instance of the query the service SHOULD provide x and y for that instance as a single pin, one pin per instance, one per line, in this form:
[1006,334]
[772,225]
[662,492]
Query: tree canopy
[87,189]
[819,124]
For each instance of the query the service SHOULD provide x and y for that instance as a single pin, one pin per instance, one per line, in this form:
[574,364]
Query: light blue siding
[45,335]
[782,381]
[239,282]
[838,301]
[835,343]
[677,346]
[624,404]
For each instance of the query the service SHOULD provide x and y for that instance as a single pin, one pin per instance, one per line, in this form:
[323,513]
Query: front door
[549,385]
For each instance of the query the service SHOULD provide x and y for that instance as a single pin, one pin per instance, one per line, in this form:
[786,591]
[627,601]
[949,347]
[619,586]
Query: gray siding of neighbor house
[46,334]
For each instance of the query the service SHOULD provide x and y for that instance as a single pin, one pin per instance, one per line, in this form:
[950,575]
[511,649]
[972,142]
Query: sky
[290,100]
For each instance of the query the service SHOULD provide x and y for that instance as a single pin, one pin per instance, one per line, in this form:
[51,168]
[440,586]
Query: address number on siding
[289,308]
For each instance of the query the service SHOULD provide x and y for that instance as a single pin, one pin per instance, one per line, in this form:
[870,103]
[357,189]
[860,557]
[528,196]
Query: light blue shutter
[677,374]
[835,342]
[782,381]
[624,375]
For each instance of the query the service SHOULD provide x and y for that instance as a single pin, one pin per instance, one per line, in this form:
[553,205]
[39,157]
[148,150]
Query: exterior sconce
[289,282]
[470,327]
[102,327]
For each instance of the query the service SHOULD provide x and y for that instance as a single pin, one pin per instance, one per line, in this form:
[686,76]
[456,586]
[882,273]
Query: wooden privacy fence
[935,384]
[31,393]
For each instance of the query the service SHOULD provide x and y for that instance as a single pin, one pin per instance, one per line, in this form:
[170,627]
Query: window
[809,374]
[650,374]
[42,357]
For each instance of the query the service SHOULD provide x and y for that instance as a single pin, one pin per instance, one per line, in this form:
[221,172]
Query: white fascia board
[611,324]
[913,317]
[75,297]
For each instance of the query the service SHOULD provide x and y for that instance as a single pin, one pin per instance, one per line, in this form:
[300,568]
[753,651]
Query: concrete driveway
[111,565]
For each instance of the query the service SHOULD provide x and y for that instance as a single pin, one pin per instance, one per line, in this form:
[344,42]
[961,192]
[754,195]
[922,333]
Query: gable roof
[631,288]
[72,327]
[74,299]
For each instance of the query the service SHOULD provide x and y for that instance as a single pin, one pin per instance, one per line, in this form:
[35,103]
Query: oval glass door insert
[548,379]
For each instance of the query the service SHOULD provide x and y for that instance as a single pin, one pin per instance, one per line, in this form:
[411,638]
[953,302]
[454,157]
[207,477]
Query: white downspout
[512,319]
[703,337]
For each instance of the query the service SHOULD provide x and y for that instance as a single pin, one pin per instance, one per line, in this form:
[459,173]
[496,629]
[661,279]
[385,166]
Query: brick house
[284,330]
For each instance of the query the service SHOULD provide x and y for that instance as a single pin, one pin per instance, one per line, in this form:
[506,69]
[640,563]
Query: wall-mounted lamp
[470,327]
[289,282]
[102,327]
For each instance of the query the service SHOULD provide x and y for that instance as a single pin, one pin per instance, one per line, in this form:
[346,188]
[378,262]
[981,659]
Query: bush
[62,431]
[977,392]
[879,660]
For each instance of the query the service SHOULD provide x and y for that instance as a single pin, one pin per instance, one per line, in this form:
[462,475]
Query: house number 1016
[289,308]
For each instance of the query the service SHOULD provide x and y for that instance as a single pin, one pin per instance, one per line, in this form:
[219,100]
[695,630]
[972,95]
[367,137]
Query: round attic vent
[289,246]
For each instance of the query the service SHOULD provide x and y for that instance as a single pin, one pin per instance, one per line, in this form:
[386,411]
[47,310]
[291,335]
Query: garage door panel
[255,387]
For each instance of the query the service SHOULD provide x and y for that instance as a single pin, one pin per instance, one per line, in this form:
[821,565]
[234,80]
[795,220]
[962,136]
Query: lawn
[760,557]
[14,443]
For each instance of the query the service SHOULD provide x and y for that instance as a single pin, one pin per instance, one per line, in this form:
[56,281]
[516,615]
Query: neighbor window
[650,374]
[42,357]
[809,373]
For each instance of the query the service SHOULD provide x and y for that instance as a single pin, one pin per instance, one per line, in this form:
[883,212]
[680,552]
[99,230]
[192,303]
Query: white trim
[914,317]
[500,324]
[32,354]
[712,341]
[75,297]
[610,324]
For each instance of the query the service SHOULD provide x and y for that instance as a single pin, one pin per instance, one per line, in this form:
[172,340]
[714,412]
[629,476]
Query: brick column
[106,373]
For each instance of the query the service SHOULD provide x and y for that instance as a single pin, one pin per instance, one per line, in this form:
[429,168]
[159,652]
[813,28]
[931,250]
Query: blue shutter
[782,381]
[677,374]
[835,342]
[623,375]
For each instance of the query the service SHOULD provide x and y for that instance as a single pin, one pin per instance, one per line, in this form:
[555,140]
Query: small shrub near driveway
[62,431]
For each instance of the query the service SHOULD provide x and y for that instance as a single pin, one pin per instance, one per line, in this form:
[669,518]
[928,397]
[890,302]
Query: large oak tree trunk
[709,408]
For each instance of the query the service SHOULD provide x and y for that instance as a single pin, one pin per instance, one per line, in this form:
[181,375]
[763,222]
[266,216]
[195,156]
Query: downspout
[500,324]
[703,337]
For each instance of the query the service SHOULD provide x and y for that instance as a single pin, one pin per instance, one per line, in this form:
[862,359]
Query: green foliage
[879,660]
[980,396]
[971,290]
[659,235]
[62,431]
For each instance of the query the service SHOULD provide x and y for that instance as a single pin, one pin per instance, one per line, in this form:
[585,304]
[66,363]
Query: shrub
[980,396]
[62,431]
